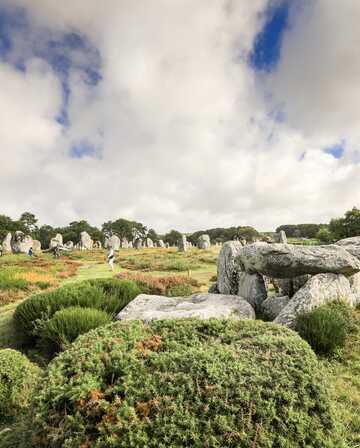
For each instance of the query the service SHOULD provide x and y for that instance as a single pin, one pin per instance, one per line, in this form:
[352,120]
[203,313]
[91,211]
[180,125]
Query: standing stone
[36,246]
[56,241]
[97,245]
[6,245]
[287,260]
[272,306]
[319,290]
[204,242]
[69,245]
[149,242]
[227,269]
[201,306]
[113,241]
[161,243]
[252,288]
[130,245]
[282,237]
[138,243]
[183,244]
[86,241]
[167,245]
[124,243]
[21,243]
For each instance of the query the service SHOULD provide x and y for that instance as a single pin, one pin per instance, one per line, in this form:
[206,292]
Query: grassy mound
[185,383]
[18,377]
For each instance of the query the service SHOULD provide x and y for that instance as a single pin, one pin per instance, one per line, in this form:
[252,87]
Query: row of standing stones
[304,277]
[21,243]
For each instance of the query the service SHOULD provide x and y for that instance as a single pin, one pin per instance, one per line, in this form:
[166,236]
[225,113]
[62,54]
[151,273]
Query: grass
[345,376]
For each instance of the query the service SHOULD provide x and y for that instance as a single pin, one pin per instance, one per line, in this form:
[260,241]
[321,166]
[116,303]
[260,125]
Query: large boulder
[203,242]
[21,243]
[6,244]
[86,241]
[202,306]
[113,241]
[56,241]
[272,306]
[36,246]
[69,245]
[286,260]
[183,244]
[352,245]
[252,288]
[319,290]
[227,270]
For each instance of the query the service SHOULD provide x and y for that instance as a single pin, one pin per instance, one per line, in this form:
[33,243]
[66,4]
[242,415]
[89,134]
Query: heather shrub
[325,328]
[180,290]
[185,383]
[67,324]
[18,377]
[108,296]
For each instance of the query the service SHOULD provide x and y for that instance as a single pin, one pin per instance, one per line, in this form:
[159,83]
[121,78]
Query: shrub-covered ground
[185,383]
[21,277]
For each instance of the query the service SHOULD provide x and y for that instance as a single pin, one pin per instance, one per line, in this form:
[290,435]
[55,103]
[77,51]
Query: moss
[185,383]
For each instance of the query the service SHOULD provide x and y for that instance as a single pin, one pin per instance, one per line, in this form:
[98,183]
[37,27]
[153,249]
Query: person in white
[111,258]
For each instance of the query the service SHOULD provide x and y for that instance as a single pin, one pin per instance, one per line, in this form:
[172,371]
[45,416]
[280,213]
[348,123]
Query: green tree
[28,222]
[172,237]
[346,227]
[6,225]
[324,235]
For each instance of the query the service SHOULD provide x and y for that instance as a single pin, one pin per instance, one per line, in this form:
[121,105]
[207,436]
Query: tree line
[337,228]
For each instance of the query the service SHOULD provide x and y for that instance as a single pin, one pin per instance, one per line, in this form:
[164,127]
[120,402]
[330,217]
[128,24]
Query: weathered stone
[252,288]
[289,286]
[97,245]
[149,242]
[161,243]
[56,241]
[282,237]
[124,243]
[85,241]
[21,243]
[6,244]
[113,241]
[286,260]
[130,245]
[352,245]
[214,289]
[272,306]
[183,244]
[202,306]
[355,288]
[69,245]
[36,246]
[138,243]
[204,242]
[319,290]
[227,270]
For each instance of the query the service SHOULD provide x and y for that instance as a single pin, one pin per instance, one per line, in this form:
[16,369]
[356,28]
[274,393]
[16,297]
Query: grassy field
[21,277]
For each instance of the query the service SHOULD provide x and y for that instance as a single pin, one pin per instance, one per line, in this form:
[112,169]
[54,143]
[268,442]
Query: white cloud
[182,119]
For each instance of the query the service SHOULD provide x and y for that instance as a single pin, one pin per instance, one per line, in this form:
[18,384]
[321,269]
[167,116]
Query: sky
[180,114]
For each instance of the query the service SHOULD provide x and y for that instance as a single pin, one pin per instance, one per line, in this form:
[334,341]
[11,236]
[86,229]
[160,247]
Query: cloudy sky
[180,113]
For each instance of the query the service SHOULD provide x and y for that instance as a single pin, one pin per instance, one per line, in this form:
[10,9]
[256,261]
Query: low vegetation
[18,377]
[326,327]
[186,383]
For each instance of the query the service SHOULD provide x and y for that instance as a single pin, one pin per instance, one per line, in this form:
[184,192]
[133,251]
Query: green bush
[185,383]
[326,327]
[108,296]
[18,377]
[180,290]
[67,324]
